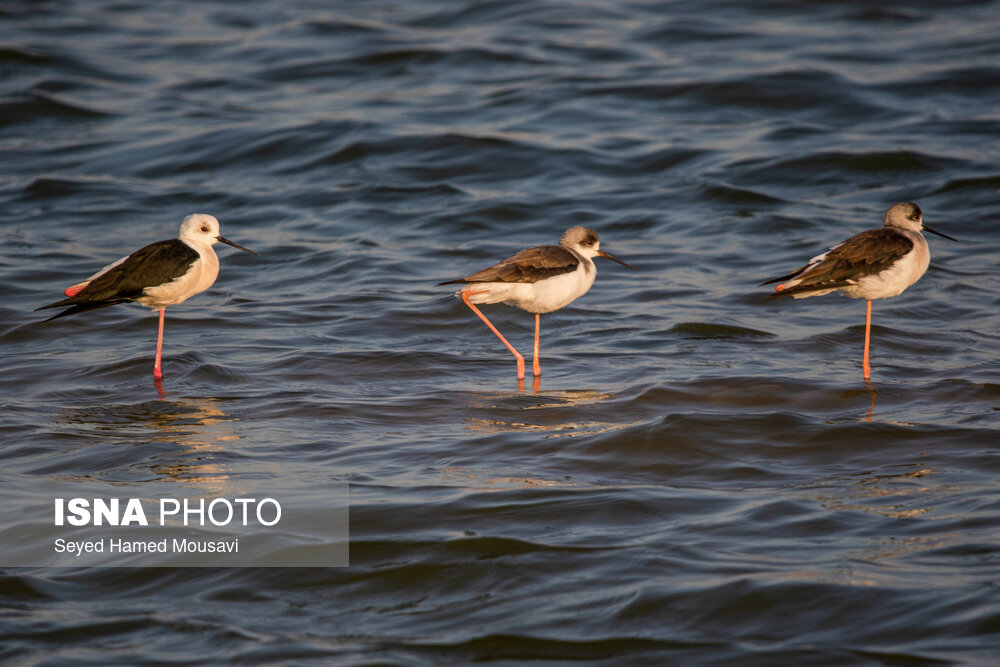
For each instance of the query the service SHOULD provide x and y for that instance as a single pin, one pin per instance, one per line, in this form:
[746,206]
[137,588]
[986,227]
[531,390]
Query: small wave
[733,195]
[22,55]
[701,330]
[44,188]
[827,166]
[991,183]
[526,647]
[958,81]
[398,61]
[696,30]
[39,104]
[819,90]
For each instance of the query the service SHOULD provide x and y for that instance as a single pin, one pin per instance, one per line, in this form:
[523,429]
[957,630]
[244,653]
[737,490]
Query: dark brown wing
[863,254]
[527,266]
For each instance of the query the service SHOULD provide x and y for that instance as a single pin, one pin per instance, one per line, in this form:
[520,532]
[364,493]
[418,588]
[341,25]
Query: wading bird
[873,264]
[162,274]
[539,280]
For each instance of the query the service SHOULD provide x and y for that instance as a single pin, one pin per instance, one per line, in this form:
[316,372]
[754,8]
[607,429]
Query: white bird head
[586,242]
[907,215]
[203,228]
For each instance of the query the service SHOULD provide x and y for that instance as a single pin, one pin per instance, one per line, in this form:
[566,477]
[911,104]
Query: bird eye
[204,228]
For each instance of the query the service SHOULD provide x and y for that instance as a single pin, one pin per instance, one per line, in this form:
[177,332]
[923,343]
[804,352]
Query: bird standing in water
[873,264]
[539,280]
[161,274]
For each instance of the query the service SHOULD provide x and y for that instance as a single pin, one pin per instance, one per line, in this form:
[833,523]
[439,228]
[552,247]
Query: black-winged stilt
[873,264]
[162,274]
[539,280]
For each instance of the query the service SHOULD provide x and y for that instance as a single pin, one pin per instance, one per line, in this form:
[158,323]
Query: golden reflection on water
[198,427]
[549,401]
[558,399]
[894,486]
[571,429]
[886,548]
[488,481]
[913,501]
[912,496]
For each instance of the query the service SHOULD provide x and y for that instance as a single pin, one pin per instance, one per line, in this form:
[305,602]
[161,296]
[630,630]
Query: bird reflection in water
[903,495]
[194,429]
[871,408]
[498,403]
[536,383]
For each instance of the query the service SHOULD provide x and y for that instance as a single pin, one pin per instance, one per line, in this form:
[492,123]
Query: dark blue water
[702,476]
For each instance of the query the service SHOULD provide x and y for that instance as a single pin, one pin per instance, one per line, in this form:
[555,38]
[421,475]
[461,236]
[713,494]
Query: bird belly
[542,296]
[556,292]
[200,276]
[892,281]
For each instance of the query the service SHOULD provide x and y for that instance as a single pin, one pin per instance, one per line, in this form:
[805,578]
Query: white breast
[543,296]
[894,280]
[200,276]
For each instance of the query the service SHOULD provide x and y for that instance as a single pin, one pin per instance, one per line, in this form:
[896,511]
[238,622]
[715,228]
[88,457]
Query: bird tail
[57,304]
[77,307]
[806,289]
[787,277]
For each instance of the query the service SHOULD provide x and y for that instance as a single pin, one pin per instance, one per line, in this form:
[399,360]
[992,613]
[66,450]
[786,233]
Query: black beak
[615,259]
[236,245]
[928,229]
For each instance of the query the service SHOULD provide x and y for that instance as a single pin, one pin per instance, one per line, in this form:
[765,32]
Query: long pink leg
[157,373]
[537,367]
[517,355]
[868,331]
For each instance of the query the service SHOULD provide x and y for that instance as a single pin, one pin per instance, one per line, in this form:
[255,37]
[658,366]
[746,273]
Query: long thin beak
[932,231]
[615,259]
[236,245]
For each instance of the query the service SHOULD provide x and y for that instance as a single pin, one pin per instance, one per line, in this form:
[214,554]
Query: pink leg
[868,330]
[537,367]
[157,373]
[517,355]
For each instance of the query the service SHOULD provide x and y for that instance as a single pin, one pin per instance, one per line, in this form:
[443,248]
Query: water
[701,477]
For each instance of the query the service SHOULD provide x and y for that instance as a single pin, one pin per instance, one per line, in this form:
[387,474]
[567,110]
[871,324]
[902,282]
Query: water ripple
[701,475]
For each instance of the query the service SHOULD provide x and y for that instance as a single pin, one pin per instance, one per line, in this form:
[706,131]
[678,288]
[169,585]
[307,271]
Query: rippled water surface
[702,476]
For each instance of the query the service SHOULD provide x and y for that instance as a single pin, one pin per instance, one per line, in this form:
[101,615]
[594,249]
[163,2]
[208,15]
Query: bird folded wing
[125,280]
[869,252]
[528,266]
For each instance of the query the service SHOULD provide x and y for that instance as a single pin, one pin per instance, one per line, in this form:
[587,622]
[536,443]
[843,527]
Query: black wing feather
[82,308]
[156,264]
